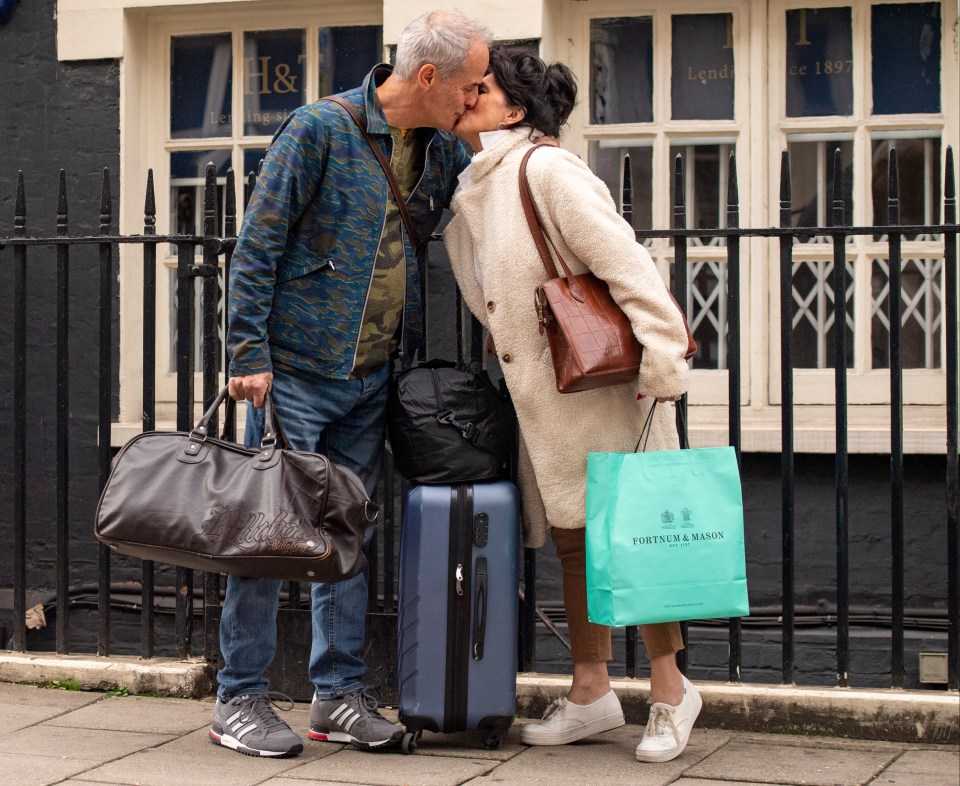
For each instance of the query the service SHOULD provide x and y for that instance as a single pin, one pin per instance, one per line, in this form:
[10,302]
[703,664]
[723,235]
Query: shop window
[703,70]
[819,62]
[813,316]
[812,184]
[706,172]
[706,175]
[921,317]
[203,96]
[273,83]
[621,70]
[201,86]
[918,169]
[905,39]
[345,56]
[188,171]
[252,158]
[607,161]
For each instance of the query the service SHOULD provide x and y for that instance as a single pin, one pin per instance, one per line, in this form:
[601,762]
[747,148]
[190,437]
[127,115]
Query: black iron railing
[214,262]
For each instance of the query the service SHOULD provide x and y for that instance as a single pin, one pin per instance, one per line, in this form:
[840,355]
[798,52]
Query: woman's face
[492,111]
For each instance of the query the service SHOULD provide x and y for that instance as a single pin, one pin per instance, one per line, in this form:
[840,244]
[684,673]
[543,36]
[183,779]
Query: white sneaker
[566,722]
[668,729]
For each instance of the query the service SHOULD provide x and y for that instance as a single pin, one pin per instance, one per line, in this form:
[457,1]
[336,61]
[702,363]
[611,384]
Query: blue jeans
[343,419]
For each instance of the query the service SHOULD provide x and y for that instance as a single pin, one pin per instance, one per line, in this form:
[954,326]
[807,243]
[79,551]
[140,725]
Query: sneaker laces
[261,705]
[553,708]
[660,716]
[367,704]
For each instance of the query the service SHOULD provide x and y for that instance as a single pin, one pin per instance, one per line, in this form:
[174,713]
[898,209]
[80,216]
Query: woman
[497,268]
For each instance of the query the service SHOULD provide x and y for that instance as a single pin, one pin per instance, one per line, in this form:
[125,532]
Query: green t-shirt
[383,313]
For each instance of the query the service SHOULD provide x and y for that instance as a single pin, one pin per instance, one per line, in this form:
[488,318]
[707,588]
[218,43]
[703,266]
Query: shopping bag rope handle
[647,427]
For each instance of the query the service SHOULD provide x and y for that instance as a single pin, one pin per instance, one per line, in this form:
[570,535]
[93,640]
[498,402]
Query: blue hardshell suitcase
[457,639]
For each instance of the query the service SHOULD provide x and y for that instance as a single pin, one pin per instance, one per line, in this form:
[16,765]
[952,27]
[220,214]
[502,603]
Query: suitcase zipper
[458,607]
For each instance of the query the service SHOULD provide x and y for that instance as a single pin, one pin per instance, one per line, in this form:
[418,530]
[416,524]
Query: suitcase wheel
[410,741]
[492,741]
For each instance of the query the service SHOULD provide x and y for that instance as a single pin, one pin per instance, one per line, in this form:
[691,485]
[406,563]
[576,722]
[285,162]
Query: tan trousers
[591,643]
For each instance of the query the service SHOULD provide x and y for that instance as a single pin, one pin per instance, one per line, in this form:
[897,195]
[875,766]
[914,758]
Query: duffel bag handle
[272,430]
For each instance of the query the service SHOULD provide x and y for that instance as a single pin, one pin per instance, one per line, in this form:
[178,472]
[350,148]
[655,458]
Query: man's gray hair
[442,38]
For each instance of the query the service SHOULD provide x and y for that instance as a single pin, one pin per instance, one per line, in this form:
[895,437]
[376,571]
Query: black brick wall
[55,115]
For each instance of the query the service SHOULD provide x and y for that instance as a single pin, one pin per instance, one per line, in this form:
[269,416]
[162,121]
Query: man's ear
[427,76]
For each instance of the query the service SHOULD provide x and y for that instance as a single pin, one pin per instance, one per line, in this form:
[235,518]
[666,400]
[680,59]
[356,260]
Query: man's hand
[251,388]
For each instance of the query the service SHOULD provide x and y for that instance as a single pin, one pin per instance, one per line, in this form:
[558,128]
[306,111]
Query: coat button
[506,357]
[491,306]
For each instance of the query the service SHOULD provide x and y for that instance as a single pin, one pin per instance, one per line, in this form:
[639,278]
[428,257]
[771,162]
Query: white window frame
[865,386]
[146,143]
[707,386]
[760,53]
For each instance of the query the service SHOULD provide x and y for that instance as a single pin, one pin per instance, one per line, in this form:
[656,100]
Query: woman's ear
[514,115]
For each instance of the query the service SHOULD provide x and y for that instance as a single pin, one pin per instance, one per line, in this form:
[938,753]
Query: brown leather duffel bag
[200,502]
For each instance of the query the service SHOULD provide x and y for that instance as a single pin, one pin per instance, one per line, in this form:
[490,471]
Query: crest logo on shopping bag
[668,522]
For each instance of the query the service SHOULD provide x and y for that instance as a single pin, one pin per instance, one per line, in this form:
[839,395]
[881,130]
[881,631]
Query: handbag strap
[540,237]
[384,164]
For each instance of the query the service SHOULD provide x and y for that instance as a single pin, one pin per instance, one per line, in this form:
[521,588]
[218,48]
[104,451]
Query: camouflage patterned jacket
[305,255]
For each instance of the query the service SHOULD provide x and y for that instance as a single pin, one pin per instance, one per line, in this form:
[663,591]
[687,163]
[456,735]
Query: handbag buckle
[543,310]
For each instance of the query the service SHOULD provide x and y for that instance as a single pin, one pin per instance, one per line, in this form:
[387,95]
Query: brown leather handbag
[591,340]
[193,500]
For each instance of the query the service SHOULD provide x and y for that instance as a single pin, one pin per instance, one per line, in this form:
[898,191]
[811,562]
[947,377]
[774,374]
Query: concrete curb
[893,715]
[192,678]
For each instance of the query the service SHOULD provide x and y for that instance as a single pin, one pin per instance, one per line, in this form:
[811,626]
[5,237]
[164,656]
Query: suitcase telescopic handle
[480,608]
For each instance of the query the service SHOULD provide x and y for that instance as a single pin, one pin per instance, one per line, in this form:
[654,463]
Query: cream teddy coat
[498,269]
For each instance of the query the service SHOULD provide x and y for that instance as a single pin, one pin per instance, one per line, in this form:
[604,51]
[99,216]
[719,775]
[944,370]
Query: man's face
[447,99]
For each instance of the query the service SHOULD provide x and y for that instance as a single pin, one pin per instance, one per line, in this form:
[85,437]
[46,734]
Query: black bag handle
[480,608]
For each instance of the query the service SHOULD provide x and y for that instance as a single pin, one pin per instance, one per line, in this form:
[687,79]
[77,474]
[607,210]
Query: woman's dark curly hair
[548,93]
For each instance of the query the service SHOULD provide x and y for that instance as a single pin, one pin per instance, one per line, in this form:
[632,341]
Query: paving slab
[165,767]
[790,764]
[91,745]
[20,716]
[35,696]
[23,769]
[389,769]
[140,713]
[284,781]
[609,758]
[702,782]
[79,780]
[930,768]
[469,745]
[197,744]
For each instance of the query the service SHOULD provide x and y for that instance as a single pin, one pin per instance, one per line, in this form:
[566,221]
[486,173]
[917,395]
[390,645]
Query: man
[324,292]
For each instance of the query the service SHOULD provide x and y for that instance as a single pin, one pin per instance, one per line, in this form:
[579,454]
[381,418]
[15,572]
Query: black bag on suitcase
[459,583]
[448,424]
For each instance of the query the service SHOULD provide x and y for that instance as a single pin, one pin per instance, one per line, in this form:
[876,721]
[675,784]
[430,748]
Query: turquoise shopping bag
[665,537]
